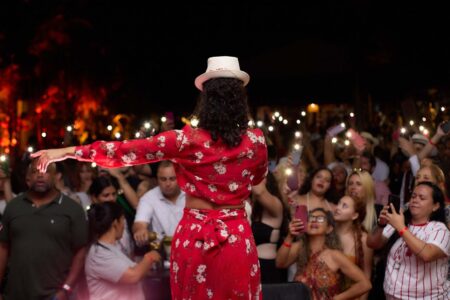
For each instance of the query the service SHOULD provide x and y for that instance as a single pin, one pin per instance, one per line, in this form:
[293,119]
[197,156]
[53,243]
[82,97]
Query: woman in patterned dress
[217,163]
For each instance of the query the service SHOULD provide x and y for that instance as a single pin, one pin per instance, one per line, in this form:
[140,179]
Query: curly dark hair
[223,110]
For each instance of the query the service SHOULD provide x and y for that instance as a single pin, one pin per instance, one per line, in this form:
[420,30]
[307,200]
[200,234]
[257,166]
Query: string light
[280,118]
[137,134]
[44,134]
[421,128]
[303,113]
[147,125]
[347,142]
[424,119]
[442,108]
[298,134]
[411,123]
[276,114]
[403,130]
[334,140]
[69,128]
[298,121]
[109,127]
[30,149]
[343,125]
[297,146]
[270,128]
[163,119]
[426,132]
[352,115]
[285,121]
[117,135]
[2,158]
[194,122]
[93,165]
[288,172]
[251,123]
[259,123]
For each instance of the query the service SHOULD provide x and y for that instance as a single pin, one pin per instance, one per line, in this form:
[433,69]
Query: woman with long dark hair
[270,218]
[217,163]
[321,263]
[417,243]
[110,274]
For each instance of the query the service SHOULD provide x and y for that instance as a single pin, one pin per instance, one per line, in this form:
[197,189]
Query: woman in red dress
[213,251]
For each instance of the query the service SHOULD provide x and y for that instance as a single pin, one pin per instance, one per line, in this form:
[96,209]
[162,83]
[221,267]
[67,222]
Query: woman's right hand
[296,227]
[382,220]
[46,157]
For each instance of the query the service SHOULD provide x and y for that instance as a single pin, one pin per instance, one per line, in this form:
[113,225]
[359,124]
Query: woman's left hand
[397,220]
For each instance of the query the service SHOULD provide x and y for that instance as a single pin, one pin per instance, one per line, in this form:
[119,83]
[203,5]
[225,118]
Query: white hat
[419,139]
[222,66]
[370,137]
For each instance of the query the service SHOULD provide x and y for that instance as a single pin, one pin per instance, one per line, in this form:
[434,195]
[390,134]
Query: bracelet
[401,232]
[431,142]
[417,254]
[287,245]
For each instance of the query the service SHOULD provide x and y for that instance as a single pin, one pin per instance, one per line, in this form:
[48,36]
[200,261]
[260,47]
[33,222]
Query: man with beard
[161,207]
[42,240]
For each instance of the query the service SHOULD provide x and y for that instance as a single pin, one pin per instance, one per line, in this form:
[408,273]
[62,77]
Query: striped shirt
[409,277]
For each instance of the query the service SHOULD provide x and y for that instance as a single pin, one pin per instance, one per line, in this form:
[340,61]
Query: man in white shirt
[161,208]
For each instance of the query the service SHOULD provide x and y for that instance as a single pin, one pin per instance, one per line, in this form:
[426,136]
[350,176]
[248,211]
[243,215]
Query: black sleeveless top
[262,233]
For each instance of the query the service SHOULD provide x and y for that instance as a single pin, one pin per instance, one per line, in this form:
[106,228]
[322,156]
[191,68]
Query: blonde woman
[360,186]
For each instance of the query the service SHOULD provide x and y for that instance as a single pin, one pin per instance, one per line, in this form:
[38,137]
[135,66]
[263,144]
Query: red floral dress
[214,254]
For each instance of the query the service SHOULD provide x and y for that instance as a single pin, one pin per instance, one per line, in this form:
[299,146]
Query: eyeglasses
[317,219]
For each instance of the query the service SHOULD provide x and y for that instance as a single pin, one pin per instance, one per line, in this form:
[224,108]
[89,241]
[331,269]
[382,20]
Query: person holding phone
[315,192]
[269,220]
[417,243]
[321,263]
[217,161]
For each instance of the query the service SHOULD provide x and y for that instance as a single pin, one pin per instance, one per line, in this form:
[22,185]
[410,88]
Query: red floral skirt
[214,256]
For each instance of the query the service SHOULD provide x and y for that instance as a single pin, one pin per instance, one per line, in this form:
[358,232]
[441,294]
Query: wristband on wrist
[287,245]
[401,232]
[431,142]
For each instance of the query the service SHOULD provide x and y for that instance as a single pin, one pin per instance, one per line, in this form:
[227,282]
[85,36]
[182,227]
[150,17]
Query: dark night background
[147,54]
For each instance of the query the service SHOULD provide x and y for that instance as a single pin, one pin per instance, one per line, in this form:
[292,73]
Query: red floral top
[205,169]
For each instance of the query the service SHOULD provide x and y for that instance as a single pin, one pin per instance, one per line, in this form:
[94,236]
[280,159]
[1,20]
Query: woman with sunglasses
[321,264]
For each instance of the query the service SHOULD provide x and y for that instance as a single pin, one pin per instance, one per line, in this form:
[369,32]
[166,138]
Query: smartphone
[335,130]
[296,154]
[301,213]
[272,165]
[445,127]
[292,181]
[357,140]
[395,200]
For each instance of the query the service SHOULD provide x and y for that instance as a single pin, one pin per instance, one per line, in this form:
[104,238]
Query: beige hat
[368,136]
[222,66]
[419,139]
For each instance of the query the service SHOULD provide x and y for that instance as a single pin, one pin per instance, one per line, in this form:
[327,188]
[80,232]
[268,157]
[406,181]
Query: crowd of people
[363,220]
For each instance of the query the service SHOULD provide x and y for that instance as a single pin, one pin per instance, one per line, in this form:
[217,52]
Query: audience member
[321,263]
[161,208]
[42,240]
[110,274]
